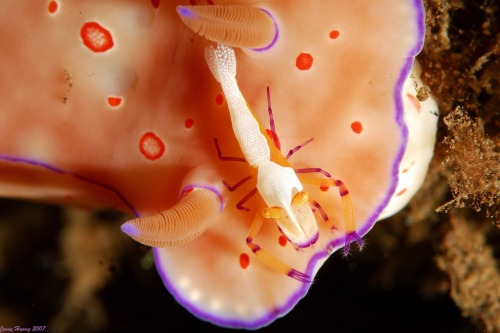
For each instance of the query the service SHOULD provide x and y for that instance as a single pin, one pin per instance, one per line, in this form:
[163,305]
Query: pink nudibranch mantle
[118,108]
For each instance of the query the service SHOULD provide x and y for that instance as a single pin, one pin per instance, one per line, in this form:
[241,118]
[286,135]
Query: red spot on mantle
[334,34]
[219,99]
[304,61]
[189,123]
[357,127]
[151,146]
[244,260]
[114,101]
[282,240]
[52,7]
[95,37]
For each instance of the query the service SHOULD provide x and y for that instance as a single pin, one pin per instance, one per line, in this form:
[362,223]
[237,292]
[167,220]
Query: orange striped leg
[268,258]
[346,205]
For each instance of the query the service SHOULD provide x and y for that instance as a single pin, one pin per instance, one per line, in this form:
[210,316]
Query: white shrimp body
[222,63]
[276,184]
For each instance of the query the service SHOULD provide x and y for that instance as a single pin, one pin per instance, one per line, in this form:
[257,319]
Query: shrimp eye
[300,198]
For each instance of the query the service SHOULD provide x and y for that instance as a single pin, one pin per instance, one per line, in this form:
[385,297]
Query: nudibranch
[112,104]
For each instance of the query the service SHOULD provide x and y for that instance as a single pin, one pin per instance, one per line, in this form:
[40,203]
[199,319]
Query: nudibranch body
[118,109]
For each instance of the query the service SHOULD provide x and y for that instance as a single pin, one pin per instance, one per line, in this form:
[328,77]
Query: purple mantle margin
[85,179]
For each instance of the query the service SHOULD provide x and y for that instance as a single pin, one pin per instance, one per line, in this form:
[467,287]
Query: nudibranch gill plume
[119,109]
